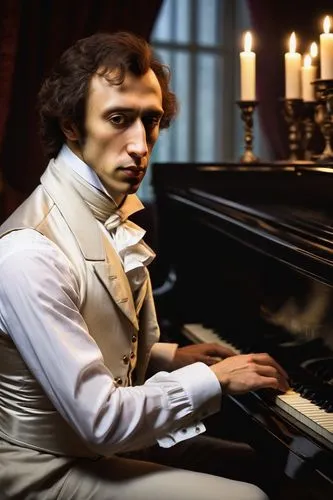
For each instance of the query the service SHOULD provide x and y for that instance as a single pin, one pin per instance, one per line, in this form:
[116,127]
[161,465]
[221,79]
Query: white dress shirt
[34,276]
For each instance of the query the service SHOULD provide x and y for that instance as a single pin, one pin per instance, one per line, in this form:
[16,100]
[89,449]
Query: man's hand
[249,372]
[208,353]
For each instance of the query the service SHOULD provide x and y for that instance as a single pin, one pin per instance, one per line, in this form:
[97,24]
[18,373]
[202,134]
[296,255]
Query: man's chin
[123,189]
[132,187]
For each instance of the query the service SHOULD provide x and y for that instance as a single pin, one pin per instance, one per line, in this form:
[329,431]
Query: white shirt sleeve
[39,309]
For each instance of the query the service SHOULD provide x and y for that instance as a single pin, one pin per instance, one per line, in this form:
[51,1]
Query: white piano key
[307,413]
[198,333]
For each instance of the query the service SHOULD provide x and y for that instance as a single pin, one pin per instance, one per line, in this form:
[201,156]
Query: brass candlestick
[247,109]
[292,109]
[324,116]
[308,112]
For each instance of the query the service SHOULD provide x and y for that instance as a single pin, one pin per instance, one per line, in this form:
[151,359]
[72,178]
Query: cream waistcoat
[123,329]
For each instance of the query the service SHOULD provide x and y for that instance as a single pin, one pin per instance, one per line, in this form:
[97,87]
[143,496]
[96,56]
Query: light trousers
[27,474]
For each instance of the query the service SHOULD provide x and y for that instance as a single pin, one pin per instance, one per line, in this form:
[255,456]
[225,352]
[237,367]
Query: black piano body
[246,251]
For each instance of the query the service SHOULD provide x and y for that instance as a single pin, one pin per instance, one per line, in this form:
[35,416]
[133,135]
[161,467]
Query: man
[77,319]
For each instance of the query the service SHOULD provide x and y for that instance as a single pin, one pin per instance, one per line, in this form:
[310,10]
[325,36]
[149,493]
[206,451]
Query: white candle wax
[248,71]
[308,75]
[292,71]
[326,51]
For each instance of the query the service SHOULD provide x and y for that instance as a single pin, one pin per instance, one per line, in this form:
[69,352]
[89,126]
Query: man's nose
[137,144]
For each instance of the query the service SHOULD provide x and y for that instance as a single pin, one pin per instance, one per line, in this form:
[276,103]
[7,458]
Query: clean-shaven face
[122,126]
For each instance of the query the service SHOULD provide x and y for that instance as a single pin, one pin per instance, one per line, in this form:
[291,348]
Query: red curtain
[273,22]
[33,34]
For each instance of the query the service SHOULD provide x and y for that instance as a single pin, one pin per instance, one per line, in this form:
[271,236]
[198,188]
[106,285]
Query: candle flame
[327,24]
[307,61]
[292,43]
[313,50]
[247,42]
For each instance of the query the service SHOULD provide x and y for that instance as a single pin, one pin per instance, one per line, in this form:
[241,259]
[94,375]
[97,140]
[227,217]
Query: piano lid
[284,211]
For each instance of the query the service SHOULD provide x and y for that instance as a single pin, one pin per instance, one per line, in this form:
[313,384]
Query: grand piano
[245,258]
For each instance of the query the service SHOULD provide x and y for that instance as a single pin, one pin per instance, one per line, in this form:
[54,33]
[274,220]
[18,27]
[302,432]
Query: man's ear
[69,129]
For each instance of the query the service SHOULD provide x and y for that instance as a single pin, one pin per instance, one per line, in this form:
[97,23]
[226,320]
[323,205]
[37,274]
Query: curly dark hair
[64,93]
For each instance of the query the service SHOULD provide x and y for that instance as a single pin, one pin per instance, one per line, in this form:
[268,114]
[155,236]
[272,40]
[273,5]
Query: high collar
[87,183]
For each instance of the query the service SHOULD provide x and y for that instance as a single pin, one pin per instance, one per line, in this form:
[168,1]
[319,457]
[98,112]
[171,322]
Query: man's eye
[118,119]
[151,121]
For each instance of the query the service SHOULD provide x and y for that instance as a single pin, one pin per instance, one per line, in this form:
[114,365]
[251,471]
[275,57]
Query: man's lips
[133,171]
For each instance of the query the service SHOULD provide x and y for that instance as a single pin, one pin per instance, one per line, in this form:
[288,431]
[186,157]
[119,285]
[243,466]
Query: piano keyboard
[291,402]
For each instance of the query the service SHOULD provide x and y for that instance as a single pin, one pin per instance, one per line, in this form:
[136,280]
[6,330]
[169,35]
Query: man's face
[122,126]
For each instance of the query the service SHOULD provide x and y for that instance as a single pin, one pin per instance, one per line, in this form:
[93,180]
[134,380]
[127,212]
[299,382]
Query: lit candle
[292,70]
[313,50]
[308,73]
[248,70]
[326,51]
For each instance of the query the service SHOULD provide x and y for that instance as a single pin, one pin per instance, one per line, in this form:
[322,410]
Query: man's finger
[264,359]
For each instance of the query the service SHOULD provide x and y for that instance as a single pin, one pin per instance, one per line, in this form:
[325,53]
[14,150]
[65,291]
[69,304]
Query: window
[200,41]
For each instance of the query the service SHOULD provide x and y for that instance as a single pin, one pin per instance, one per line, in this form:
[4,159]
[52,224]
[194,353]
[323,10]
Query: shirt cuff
[181,435]
[204,391]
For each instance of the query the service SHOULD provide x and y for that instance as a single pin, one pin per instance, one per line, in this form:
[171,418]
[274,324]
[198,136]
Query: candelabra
[247,109]
[308,112]
[292,109]
[324,116]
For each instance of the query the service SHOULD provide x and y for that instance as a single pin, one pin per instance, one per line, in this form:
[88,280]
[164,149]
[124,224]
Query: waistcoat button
[118,381]
[125,359]
[134,338]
